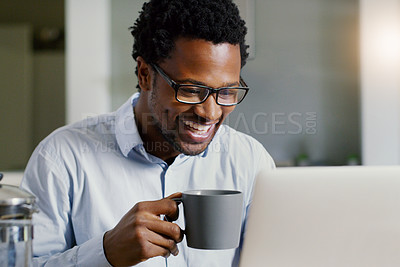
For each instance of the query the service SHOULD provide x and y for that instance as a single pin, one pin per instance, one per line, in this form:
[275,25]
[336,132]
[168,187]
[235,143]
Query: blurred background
[312,101]
[32,76]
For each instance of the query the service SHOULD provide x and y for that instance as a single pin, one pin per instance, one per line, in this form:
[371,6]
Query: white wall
[88,41]
[380,80]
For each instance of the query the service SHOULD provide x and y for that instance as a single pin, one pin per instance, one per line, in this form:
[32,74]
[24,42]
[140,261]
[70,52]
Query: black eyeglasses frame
[211,90]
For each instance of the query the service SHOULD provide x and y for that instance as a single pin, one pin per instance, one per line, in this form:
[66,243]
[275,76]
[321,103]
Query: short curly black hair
[161,22]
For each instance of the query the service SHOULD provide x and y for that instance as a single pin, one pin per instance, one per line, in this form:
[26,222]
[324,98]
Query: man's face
[190,128]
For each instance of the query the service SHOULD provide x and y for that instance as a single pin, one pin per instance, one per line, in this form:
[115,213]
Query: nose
[209,109]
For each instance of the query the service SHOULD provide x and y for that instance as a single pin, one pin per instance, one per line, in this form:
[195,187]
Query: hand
[141,234]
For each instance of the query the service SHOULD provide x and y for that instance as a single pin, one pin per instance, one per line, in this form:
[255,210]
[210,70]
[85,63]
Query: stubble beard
[171,136]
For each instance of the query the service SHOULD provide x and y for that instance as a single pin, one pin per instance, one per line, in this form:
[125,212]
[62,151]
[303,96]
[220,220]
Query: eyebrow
[195,82]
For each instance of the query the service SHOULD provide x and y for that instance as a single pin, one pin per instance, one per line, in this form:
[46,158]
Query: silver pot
[16,230]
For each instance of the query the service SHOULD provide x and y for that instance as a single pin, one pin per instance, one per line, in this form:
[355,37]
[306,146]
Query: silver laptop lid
[325,217]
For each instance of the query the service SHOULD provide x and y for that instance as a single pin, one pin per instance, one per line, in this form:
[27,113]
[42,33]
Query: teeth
[198,127]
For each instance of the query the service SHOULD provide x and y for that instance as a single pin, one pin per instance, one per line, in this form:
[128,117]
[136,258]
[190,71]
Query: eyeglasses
[197,94]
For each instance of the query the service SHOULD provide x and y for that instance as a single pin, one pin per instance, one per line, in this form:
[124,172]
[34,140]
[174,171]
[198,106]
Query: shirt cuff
[91,253]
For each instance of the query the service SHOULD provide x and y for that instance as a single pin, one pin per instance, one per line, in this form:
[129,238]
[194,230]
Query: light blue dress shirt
[87,175]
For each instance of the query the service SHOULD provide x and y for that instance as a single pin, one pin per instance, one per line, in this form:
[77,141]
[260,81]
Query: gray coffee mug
[213,218]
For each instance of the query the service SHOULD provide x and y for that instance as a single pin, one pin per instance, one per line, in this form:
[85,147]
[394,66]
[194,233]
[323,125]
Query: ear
[144,74]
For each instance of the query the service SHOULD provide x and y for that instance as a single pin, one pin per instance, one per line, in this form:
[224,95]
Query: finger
[153,250]
[170,217]
[182,232]
[174,216]
[168,229]
[156,208]
[175,195]
[164,242]
[159,207]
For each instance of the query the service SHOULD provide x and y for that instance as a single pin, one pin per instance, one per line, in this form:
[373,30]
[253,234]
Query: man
[102,183]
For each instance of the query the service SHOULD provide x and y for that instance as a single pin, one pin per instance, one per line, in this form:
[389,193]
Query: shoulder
[230,137]
[92,131]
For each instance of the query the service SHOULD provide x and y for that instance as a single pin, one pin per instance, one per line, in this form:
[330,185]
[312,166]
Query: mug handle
[177,200]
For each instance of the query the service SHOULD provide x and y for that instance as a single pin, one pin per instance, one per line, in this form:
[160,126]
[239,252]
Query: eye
[227,93]
[190,90]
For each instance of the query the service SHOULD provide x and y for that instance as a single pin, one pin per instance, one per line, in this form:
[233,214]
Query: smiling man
[103,184]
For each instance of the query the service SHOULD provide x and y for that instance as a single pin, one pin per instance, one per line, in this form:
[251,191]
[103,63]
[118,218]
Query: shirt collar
[126,131]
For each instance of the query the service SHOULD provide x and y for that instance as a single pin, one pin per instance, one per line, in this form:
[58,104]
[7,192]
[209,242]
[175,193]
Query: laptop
[325,217]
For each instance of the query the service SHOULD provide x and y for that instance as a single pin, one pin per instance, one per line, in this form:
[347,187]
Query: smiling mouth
[196,127]
[196,132]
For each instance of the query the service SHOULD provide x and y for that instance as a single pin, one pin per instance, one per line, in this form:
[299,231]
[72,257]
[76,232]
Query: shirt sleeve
[266,163]
[47,178]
